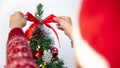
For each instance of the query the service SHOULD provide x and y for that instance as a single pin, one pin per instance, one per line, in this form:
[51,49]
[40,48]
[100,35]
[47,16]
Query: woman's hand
[18,19]
[64,23]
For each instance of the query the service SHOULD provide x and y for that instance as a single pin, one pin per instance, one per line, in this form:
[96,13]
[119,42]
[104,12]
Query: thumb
[57,19]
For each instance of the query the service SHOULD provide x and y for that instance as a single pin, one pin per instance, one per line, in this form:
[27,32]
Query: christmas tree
[41,45]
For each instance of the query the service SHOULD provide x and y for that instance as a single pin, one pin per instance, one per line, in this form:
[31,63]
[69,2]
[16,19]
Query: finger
[57,24]
[63,17]
[18,14]
[22,15]
[59,27]
[57,19]
[25,17]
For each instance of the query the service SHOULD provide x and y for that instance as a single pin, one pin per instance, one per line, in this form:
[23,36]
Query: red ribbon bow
[47,20]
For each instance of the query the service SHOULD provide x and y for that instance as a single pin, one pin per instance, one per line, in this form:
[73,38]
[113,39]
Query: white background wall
[57,7]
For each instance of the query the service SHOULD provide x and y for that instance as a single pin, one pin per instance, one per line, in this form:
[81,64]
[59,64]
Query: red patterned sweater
[18,54]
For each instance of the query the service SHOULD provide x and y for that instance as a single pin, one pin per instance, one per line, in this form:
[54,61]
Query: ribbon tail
[28,32]
[49,26]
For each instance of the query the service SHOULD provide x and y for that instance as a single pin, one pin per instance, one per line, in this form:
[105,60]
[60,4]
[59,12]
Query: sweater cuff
[15,32]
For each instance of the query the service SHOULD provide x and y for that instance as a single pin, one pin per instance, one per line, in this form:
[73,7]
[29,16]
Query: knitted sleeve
[18,54]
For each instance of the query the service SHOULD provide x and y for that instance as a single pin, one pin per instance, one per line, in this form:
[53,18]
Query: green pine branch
[55,63]
[43,43]
[39,11]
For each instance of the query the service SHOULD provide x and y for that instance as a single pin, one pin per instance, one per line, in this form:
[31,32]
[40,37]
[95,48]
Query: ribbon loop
[31,18]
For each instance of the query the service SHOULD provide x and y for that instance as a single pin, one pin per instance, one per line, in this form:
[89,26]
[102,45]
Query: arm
[64,23]
[18,53]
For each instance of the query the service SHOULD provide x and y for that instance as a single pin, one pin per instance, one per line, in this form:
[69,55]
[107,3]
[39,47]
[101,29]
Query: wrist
[15,25]
[70,33]
[70,36]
